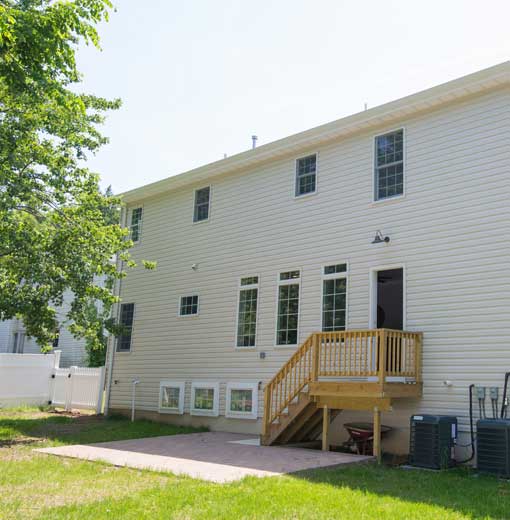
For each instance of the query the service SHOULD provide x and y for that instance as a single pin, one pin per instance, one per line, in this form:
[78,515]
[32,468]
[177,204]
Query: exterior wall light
[379,239]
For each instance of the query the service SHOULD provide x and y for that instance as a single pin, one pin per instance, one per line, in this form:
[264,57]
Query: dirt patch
[19,441]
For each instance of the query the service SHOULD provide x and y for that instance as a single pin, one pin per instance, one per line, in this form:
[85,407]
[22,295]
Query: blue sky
[197,78]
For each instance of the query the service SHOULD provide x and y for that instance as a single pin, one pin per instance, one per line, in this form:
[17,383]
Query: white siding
[5,335]
[72,349]
[451,230]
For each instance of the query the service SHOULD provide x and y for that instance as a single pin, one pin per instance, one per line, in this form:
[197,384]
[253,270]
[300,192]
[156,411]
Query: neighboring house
[13,338]
[268,255]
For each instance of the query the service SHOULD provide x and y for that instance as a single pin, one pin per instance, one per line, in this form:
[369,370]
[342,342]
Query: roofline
[477,82]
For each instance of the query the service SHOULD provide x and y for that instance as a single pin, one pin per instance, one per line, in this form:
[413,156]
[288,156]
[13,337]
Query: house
[13,339]
[359,266]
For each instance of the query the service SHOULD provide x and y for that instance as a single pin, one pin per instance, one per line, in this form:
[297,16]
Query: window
[306,175]
[127,311]
[202,203]
[389,165]
[171,397]
[247,312]
[242,400]
[18,343]
[189,305]
[135,229]
[334,297]
[288,308]
[205,399]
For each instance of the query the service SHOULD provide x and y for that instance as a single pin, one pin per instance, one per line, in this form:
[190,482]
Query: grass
[34,485]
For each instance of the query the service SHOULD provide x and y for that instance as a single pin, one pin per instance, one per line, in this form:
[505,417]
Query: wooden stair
[301,422]
[300,402]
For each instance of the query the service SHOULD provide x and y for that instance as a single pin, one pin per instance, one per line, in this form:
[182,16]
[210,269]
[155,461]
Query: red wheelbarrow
[361,437]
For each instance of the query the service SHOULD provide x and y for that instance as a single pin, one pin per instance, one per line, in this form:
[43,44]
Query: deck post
[377,434]
[267,409]
[315,357]
[325,428]
[383,347]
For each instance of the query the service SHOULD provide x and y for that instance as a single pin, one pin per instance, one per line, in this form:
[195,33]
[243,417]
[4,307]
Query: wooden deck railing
[375,353]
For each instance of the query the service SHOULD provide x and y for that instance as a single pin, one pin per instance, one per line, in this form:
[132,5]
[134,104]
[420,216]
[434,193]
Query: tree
[56,228]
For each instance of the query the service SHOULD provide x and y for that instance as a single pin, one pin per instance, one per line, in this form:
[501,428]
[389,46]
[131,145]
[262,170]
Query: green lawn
[39,486]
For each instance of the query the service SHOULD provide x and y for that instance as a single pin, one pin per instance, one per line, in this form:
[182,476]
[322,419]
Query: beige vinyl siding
[451,231]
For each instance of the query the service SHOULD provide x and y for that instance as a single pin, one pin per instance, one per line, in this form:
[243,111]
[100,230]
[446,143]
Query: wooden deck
[334,371]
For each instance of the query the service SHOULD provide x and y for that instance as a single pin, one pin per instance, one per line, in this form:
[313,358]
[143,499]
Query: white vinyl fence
[36,379]
[78,387]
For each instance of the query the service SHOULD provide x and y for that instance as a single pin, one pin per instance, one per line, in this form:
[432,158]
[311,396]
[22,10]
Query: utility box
[493,446]
[432,441]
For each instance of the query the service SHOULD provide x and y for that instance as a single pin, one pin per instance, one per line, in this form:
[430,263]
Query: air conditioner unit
[493,446]
[432,441]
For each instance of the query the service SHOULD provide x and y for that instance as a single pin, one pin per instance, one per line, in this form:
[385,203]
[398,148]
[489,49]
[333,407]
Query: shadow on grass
[461,490]
[36,428]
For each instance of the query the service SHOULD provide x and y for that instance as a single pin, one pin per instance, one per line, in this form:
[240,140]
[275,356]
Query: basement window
[242,400]
[205,399]
[171,397]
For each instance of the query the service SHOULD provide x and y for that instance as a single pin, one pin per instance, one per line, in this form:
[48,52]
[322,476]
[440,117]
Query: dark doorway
[390,299]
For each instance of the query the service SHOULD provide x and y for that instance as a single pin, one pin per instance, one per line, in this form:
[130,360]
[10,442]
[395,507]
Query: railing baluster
[363,353]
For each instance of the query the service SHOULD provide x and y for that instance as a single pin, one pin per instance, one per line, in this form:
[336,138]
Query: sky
[197,78]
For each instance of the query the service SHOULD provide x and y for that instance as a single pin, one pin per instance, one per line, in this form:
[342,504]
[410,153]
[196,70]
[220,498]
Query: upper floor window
[202,204]
[247,312]
[288,308]
[189,305]
[127,312]
[135,228]
[389,165]
[306,175]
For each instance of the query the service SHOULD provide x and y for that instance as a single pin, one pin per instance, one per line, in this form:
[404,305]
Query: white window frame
[216,399]
[254,387]
[309,194]
[333,276]
[180,305]
[140,223]
[172,384]
[372,324]
[239,289]
[376,200]
[288,282]
[208,206]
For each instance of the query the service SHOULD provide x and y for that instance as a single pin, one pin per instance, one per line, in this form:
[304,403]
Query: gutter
[110,349]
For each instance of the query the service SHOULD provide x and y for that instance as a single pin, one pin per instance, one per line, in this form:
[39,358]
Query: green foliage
[58,232]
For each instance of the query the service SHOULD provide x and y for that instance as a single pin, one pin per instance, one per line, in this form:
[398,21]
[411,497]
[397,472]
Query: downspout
[110,350]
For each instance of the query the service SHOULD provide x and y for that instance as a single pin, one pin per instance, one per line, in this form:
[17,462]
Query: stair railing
[373,353]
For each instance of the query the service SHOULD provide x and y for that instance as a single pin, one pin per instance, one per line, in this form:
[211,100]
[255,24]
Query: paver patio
[213,456]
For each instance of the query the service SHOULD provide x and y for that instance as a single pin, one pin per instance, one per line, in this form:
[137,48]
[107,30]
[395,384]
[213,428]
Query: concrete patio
[214,456]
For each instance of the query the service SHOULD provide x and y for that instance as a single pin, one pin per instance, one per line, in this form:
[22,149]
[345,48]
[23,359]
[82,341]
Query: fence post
[53,375]
[100,390]
[57,354]
[69,388]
